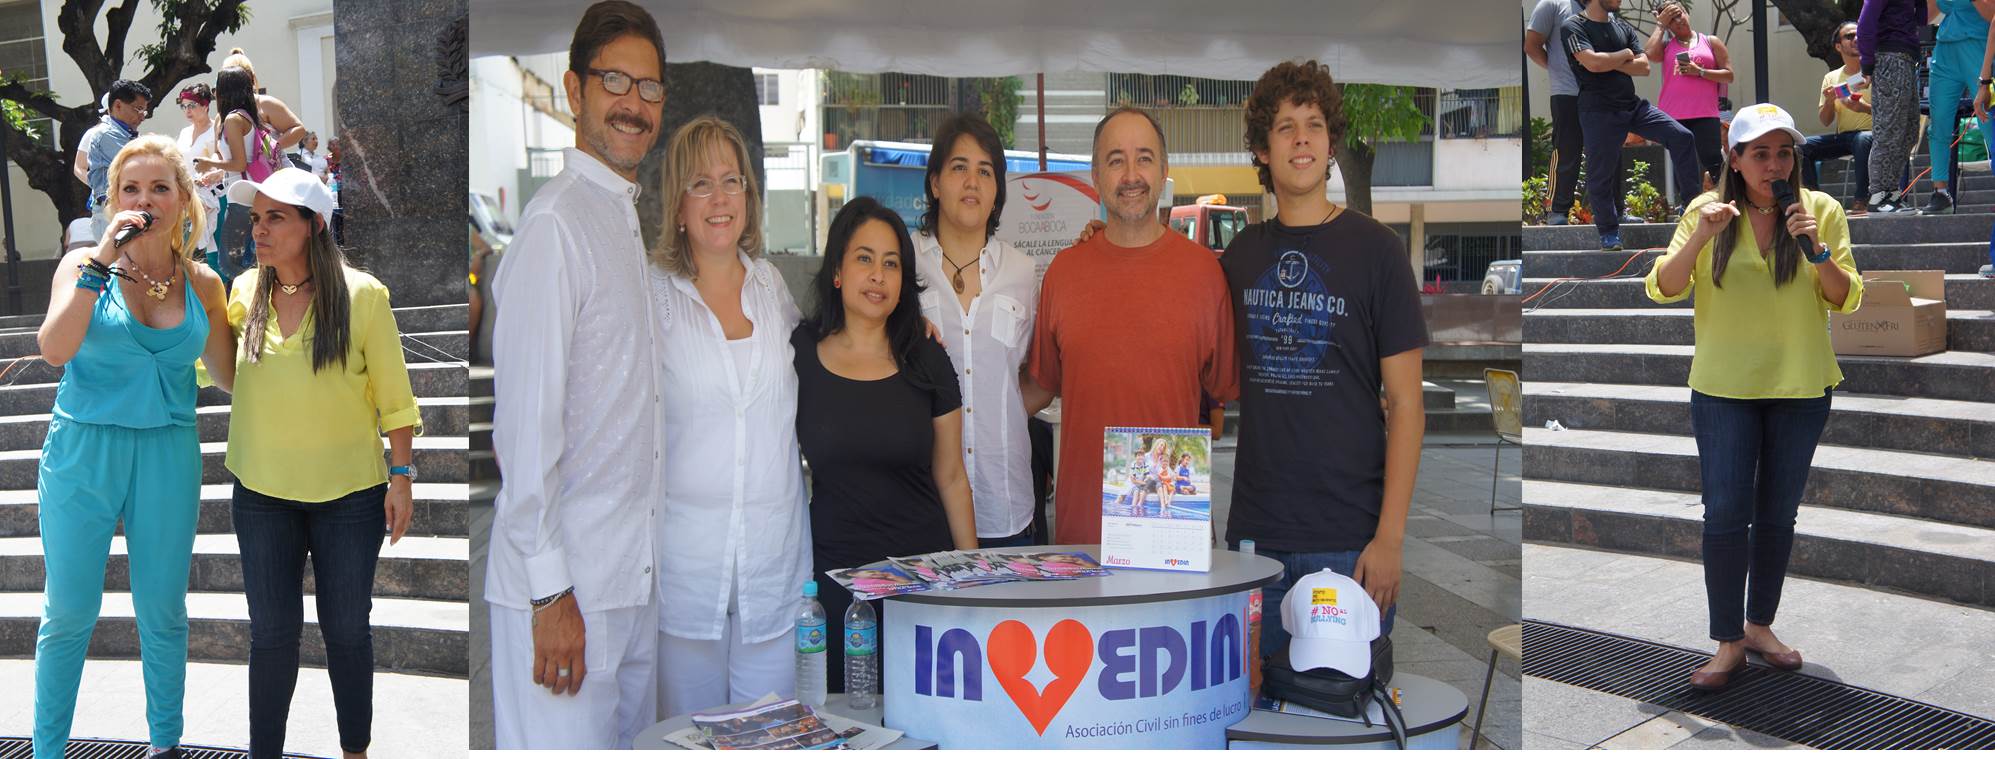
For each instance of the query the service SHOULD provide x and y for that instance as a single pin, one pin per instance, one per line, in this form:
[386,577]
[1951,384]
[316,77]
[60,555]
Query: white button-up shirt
[987,345]
[734,518]
[576,425]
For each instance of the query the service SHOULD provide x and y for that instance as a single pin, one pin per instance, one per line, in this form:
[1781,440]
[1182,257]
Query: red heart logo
[1069,654]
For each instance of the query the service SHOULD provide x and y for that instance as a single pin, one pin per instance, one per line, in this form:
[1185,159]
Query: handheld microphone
[125,235]
[1783,194]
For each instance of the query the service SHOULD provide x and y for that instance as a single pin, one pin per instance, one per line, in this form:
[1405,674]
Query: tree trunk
[693,90]
[1354,160]
[1816,20]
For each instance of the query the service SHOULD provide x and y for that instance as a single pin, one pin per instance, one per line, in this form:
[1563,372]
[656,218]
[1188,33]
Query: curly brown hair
[1306,83]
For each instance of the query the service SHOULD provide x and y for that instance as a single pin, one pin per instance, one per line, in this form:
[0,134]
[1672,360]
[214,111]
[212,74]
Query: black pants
[1708,135]
[1568,148]
[1605,130]
[343,538]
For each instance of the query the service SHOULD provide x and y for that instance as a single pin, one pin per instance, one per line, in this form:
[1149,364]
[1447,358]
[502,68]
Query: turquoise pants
[1956,66]
[92,476]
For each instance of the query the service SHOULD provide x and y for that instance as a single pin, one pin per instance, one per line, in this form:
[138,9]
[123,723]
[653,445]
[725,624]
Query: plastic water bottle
[1253,630]
[810,648]
[862,656]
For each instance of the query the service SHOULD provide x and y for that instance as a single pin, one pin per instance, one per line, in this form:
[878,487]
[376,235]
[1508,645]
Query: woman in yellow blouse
[319,380]
[1762,374]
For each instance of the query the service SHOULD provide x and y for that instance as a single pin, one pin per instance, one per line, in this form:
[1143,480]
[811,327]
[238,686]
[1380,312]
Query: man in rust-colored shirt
[1132,324]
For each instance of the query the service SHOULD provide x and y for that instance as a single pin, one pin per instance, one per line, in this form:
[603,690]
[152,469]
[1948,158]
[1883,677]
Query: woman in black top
[878,414]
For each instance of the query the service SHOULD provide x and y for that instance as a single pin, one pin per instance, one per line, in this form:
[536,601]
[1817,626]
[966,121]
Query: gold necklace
[291,289]
[1767,211]
[157,288]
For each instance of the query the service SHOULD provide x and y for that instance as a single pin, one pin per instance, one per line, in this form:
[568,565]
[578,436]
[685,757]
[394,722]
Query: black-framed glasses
[618,83]
[704,187]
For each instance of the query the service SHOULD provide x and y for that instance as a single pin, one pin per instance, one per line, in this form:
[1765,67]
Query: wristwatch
[1821,255]
[403,471]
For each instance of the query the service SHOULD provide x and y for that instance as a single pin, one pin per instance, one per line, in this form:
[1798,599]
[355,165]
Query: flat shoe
[1712,682]
[1789,661]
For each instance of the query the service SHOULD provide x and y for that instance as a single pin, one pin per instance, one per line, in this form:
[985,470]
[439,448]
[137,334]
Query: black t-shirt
[1314,309]
[1608,91]
[870,445]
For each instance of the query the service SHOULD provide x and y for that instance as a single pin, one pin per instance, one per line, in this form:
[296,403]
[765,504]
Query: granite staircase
[1902,494]
[420,591]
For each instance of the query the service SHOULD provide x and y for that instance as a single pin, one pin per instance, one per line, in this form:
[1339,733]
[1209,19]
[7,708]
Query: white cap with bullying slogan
[1331,623]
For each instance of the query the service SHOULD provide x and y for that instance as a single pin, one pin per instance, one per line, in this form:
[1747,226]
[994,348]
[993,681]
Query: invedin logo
[1136,663]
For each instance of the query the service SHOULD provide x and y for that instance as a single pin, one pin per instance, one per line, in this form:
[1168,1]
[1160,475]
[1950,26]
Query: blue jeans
[1754,456]
[1295,566]
[1825,146]
[343,537]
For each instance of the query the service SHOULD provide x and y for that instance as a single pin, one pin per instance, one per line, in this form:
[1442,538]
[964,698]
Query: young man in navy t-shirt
[1327,313]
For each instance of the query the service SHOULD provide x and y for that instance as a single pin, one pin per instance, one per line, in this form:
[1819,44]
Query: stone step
[1939,488]
[438,459]
[481,436]
[1876,228]
[453,316]
[481,409]
[1967,292]
[26,366]
[427,380]
[1966,330]
[1947,561]
[443,417]
[414,567]
[1951,257]
[484,466]
[1839,183]
[439,511]
[1952,375]
[410,636]
[480,381]
[1918,425]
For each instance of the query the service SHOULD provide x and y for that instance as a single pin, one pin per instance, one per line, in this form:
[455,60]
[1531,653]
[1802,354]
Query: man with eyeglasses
[126,104]
[572,562]
[1844,106]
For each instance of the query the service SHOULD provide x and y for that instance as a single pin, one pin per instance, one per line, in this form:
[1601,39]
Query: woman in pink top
[1695,66]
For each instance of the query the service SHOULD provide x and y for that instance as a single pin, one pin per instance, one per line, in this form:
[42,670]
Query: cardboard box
[1892,320]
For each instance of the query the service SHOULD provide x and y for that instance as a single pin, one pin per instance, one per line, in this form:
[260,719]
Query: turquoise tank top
[127,374]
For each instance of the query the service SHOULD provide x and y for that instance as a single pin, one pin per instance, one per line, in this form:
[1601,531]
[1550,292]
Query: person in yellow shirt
[1762,374]
[319,380]
[1848,116]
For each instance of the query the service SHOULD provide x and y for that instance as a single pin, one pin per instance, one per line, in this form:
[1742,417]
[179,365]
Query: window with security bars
[24,57]
[767,91]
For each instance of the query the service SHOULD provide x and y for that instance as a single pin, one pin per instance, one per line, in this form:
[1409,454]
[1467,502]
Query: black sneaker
[1886,202]
[1940,202]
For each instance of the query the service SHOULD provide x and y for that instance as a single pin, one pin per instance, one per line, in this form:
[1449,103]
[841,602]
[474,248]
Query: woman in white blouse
[732,537]
[982,294]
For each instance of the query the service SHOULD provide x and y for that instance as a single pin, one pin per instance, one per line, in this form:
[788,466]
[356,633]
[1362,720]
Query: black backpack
[1337,693]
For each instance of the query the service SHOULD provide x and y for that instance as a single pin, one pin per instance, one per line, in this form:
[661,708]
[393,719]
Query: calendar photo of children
[1157,473]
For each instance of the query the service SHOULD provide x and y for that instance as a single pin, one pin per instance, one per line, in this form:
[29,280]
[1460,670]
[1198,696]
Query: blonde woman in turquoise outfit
[126,322]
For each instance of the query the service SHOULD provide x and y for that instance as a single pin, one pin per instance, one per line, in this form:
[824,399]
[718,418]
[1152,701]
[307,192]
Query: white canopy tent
[1426,43]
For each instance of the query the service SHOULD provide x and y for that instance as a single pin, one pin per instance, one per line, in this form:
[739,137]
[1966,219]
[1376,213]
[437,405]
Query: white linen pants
[618,699]
[695,675]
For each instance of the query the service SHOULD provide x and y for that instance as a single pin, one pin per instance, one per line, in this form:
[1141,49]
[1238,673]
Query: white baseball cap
[1754,121]
[1331,623]
[291,185]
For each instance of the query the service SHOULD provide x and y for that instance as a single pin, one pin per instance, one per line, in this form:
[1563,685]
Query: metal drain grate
[80,748]
[1790,706]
